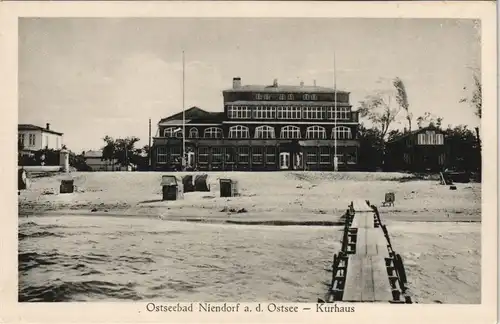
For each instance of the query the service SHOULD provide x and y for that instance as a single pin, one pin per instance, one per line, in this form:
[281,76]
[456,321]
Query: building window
[312,113]
[267,97]
[161,154]
[341,113]
[217,155]
[290,132]
[439,139]
[314,97]
[341,133]
[324,155]
[203,155]
[290,96]
[406,158]
[270,155]
[243,155]
[305,97]
[311,155]
[441,159]
[31,139]
[230,155]
[282,97]
[257,155]
[174,155]
[212,132]
[239,112]
[287,112]
[351,158]
[264,132]
[193,133]
[239,131]
[172,132]
[264,112]
[21,139]
[430,138]
[315,132]
[340,157]
[258,96]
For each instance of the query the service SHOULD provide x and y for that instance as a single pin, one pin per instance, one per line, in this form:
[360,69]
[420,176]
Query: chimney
[47,126]
[275,83]
[236,82]
[314,82]
[301,83]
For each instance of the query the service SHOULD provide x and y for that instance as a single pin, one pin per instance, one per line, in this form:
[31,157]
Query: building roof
[93,154]
[194,115]
[27,127]
[288,103]
[413,132]
[283,88]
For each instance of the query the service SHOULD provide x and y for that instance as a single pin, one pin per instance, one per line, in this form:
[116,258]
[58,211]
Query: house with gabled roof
[35,138]
[420,150]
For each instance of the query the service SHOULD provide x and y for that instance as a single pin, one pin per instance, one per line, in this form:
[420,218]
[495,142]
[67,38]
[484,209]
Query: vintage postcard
[249,162]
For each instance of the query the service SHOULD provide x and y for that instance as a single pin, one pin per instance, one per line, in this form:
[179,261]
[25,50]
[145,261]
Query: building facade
[36,138]
[419,151]
[95,162]
[267,128]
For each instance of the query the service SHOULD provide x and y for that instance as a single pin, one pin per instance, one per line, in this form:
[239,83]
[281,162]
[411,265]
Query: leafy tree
[394,135]
[78,162]
[402,99]
[370,150]
[121,149]
[429,119]
[463,148]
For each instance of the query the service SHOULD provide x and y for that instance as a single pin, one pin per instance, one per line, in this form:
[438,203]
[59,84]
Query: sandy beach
[436,230]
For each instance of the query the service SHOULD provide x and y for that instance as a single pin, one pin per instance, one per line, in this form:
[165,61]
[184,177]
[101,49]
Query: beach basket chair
[390,198]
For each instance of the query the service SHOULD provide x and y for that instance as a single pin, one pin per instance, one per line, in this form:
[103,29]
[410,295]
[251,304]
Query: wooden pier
[366,269]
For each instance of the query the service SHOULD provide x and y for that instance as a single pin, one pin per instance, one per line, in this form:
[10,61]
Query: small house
[422,150]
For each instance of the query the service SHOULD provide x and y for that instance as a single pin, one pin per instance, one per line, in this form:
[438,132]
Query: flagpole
[335,158]
[183,160]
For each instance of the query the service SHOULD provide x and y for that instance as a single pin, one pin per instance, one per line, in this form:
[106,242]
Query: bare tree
[402,99]
[381,111]
[476,99]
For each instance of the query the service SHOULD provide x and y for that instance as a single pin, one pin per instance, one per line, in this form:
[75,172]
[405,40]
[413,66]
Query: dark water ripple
[78,258]
[64,259]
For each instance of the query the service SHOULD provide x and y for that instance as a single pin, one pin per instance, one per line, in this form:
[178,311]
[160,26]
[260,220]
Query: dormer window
[306,97]
[282,97]
[258,96]
[267,97]
[290,97]
[314,97]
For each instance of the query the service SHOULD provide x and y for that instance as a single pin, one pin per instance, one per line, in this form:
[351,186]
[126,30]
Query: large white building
[36,138]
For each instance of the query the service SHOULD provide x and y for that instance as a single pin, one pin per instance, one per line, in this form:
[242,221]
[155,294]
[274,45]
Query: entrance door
[190,159]
[284,160]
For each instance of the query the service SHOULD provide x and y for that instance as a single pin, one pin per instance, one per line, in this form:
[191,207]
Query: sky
[92,77]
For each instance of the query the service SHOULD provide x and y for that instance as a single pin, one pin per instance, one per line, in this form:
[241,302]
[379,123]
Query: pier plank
[361,244]
[376,243]
[363,220]
[382,286]
[366,280]
[360,205]
[353,288]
